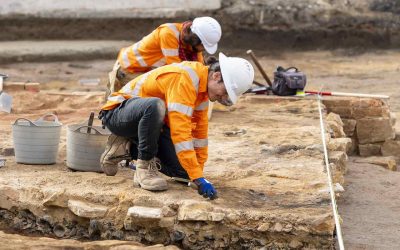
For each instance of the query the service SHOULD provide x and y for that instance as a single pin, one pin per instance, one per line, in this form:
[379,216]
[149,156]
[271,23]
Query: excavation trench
[273,190]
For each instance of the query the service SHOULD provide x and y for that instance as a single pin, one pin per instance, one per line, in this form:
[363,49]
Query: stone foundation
[270,178]
[368,122]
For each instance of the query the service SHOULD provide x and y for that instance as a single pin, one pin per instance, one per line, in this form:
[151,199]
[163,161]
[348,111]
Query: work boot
[117,149]
[146,176]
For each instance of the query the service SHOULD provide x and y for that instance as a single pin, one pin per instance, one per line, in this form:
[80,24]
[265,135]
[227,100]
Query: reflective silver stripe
[200,143]
[174,29]
[118,98]
[127,89]
[125,59]
[137,54]
[139,83]
[186,145]
[202,106]
[193,76]
[174,106]
[170,52]
[159,63]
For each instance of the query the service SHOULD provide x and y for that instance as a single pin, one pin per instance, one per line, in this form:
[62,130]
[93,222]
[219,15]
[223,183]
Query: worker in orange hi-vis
[163,114]
[169,43]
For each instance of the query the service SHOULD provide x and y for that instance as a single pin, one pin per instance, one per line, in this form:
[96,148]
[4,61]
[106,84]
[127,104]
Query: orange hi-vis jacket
[157,49]
[183,88]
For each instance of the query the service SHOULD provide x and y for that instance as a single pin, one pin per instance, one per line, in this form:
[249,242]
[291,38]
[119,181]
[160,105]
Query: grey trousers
[141,120]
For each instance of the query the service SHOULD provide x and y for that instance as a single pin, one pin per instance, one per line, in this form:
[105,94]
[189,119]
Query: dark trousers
[141,120]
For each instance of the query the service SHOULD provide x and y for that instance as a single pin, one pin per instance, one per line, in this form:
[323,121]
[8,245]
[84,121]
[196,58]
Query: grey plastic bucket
[84,149]
[36,142]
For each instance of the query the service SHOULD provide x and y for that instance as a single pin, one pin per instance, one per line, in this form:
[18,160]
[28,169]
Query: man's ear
[217,76]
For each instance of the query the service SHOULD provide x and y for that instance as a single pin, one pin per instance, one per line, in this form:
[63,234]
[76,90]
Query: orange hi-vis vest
[157,49]
[183,88]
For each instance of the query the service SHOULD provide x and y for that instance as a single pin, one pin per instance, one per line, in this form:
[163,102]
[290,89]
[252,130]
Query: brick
[359,113]
[14,86]
[391,148]
[340,144]
[387,162]
[336,125]
[344,112]
[370,130]
[32,86]
[86,210]
[367,103]
[370,149]
[349,126]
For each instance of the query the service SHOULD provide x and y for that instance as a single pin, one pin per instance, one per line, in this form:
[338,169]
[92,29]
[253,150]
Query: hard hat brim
[228,81]
[211,49]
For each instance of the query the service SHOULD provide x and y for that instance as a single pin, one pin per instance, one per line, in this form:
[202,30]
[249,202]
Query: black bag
[288,81]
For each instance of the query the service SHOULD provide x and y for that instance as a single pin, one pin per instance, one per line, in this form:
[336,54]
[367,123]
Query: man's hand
[205,188]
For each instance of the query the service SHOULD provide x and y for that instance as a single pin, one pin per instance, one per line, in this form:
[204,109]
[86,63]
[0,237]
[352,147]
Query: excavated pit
[265,159]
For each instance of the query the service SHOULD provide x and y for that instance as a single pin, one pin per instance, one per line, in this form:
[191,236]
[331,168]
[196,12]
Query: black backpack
[288,81]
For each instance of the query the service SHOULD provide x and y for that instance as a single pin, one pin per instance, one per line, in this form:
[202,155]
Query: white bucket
[84,149]
[36,142]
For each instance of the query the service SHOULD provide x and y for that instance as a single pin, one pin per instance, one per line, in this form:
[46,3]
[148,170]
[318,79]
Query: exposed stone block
[336,125]
[32,86]
[198,211]
[349,126]
[344,112]
[393,118]
[146,213]
[86,209]
[387,162]
[370,130]
[359,113]
[369,149]
[366,103]
[7,152]
[340,144]
[391,148]
[338,158]
[14,86]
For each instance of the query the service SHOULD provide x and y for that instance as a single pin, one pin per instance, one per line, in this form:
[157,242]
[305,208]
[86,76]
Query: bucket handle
[24,119]
[47,115]
[85,126]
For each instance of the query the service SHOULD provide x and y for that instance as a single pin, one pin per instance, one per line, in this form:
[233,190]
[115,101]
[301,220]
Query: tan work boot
[146,176]
[117,149]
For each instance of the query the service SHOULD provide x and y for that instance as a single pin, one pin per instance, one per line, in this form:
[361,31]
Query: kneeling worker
[169,43]
[163,114]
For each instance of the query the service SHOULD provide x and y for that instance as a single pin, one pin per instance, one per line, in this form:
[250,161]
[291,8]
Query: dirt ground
[369,206]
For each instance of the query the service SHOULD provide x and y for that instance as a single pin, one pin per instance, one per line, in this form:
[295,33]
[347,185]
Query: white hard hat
[209,32]
[237,74]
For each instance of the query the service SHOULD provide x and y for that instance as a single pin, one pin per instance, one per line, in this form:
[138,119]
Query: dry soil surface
[369,206]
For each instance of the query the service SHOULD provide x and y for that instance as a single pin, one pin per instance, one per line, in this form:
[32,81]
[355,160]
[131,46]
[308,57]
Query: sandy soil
[369,207]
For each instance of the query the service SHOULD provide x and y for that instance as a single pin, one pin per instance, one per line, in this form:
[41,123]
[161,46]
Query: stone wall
[368,122]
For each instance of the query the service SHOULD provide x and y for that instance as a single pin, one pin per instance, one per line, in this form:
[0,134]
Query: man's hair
[191,38]
[213,64]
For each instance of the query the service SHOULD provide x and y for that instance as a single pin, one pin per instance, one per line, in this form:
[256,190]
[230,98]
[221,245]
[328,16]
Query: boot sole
[150,188]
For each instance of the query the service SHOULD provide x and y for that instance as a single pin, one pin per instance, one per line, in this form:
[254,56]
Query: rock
[369,149]
[339,159]
[263,227]
[392,118]
[277,227]
[349,126]
[387,162]
[8,152]
[370,130]
[295,244]
[360,113]
[94,229]
[58,199]
[144,216]
[14,86]
[145,213]
[391,148]
[335,124]
[340,144]
[32,86]
[198,211]
[86,209]
[59,230]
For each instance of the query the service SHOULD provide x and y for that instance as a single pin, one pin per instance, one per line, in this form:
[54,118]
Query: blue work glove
[205,188]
